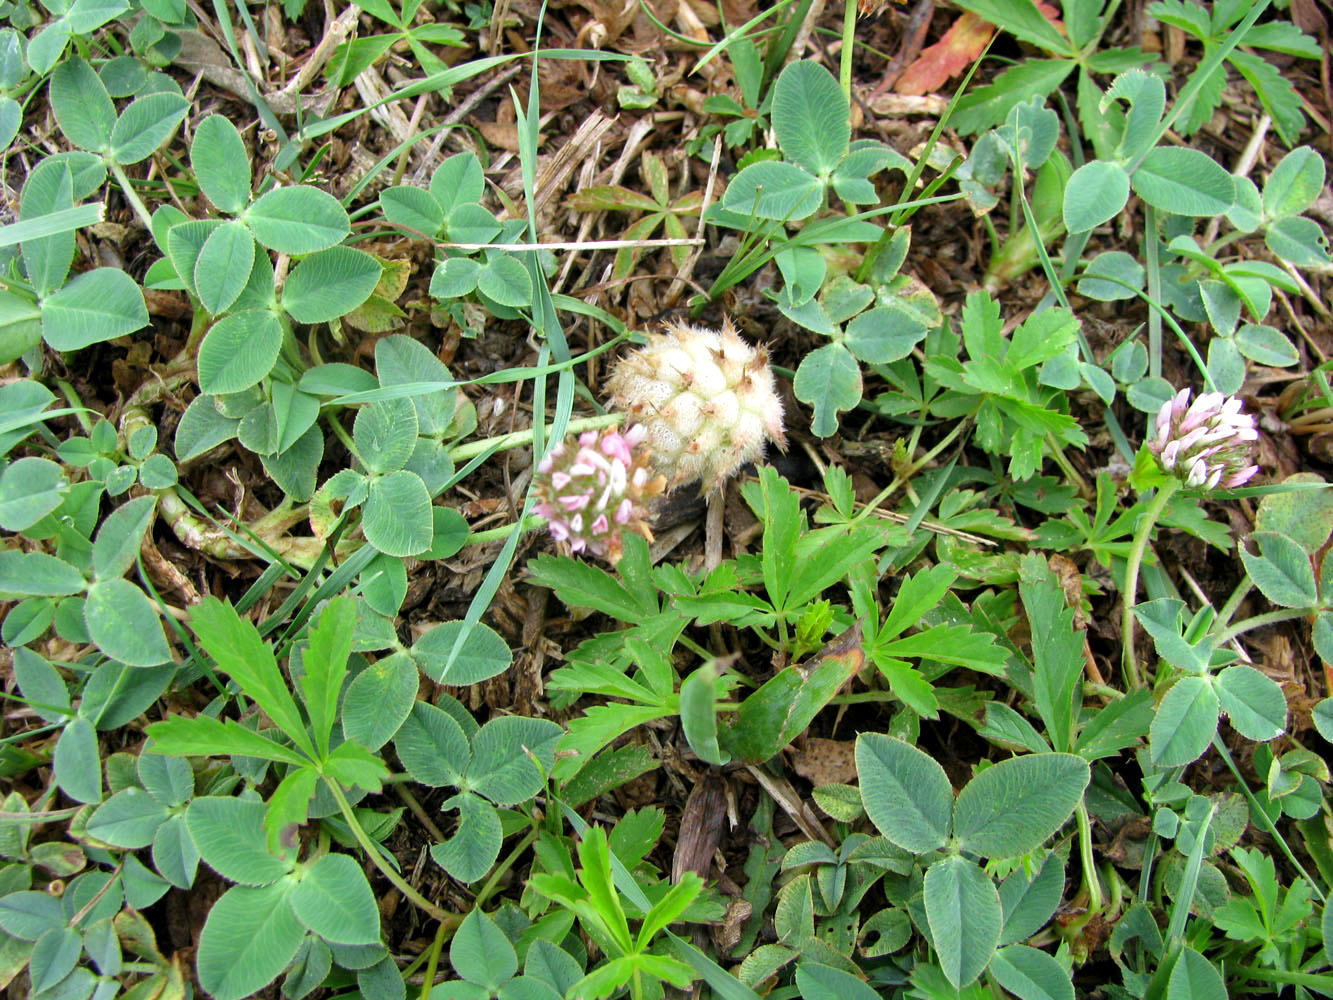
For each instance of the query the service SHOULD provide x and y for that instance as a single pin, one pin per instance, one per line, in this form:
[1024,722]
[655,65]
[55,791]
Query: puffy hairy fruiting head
[706,398]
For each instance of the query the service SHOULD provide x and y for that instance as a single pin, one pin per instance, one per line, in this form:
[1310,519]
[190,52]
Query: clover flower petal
[593,488]
[1206,444]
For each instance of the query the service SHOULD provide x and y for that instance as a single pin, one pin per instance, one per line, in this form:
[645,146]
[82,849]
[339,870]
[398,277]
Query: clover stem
[530,523]
[131,196]
[901,477]
[848,47]
[518,439]
[377,859]
[1259,621]
[1090,877]
[1133,680]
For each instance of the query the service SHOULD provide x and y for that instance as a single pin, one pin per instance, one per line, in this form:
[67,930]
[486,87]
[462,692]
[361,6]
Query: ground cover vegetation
[525,501]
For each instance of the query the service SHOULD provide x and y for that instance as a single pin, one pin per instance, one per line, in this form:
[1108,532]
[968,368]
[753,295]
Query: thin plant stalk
[1142,533]
[848,47]
[399,883]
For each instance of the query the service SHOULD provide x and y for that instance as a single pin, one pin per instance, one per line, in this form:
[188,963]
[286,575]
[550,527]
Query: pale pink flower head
[1208,444]
[594,488]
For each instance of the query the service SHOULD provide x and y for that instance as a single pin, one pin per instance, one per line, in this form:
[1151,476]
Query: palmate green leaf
[124,624]
[299,220]
[184,240]
[505,279]
[1031,973]
[1013,806]
[1111,276]
[397,519]
[378,700]
[501,768]
[1254,702]
[221,163]
[480,952]
[772,189]
[829,379]
[906,793]
[145,125]
[29,490]
[432,746]
[118,539]
[1294,184]
[965,917]
[471,852]
[229,835]
[698,714]
[1282,571]
[400,360]
[36,574]
[454,278]
[250,936]
[77,766]
[95,306]
[28,915]
[49,189]
[1185,722]
[329,283]
[41,685]
[203,736]
[481,653]
[129,819]
[1029,904]
[1195,978]
[413,207]
[1096,193]
[54,956]
[334,900]
[81,105]
[202,427]
[884,334]
[1298,241]
[458,180]
[235,644]
[170,780]
[1146,96]
[1162,619]
[1266,345]
[222,269]
[385,433]
[294,468]
[823,982]
[810,117]
[1184,181]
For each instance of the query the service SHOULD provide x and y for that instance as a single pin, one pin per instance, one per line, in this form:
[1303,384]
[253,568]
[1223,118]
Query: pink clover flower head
[594,488]
[1207,444]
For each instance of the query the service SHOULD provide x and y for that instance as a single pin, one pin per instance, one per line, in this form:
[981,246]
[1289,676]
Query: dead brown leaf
[960,46]
[826,762]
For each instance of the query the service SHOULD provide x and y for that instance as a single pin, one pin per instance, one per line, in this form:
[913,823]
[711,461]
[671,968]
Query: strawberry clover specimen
[590,494]
[707,399]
